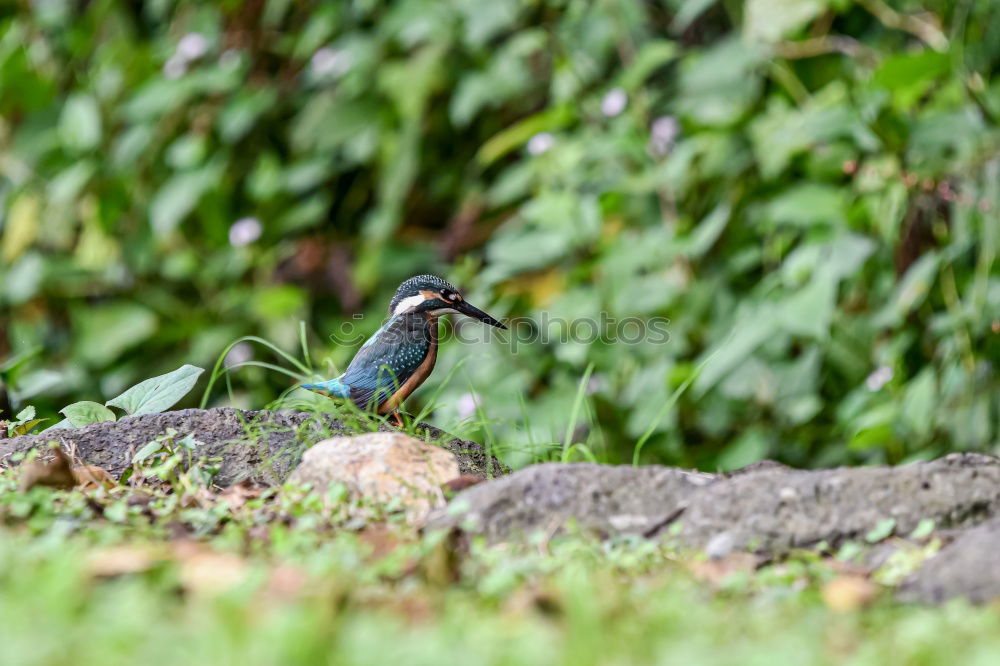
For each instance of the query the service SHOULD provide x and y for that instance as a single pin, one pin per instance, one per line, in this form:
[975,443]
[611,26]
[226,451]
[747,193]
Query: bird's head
[431,294]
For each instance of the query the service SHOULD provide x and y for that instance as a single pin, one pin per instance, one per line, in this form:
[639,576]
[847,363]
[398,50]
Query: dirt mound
[259,445]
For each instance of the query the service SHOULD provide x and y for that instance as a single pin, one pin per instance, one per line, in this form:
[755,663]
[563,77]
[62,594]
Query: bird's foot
[397,420]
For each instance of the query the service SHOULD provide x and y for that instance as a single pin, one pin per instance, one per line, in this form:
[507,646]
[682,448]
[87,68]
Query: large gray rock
[259,445]
[777,509]
[969,567]
[544,498]
[769,509]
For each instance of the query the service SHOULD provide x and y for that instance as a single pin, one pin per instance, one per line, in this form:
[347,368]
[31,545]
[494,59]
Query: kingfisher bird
[397,359]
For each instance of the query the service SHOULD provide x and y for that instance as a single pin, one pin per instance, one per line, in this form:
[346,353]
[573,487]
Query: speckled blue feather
[384,362]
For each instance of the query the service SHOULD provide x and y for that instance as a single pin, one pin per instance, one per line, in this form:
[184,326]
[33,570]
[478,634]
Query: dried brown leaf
[716,570]
[92,476]
[534,598]
[848,593]
[204,571]
[121,560]
[55,472]
[442,565]
[285,583]
[382,539]
[238,495]
[462,482]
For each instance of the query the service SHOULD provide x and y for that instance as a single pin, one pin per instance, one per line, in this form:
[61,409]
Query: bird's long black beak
[475,312]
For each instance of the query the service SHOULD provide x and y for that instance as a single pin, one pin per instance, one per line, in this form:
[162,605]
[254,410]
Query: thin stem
[575,412]
[925,31]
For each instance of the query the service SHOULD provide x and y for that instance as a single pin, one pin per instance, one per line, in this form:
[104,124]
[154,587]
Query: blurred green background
[807,189]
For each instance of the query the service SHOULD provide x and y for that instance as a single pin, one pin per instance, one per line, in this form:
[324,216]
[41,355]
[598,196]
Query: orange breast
[422,372]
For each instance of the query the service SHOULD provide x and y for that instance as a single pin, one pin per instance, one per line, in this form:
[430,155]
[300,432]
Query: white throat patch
[408,303]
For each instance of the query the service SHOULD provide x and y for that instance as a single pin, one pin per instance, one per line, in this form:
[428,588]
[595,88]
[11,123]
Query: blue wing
[383,364]
[387,360]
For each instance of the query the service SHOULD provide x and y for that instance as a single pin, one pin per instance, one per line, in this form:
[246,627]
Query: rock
[968,567]
[381,467]
[543,498]
[769,510]
[776,509]
[262,446]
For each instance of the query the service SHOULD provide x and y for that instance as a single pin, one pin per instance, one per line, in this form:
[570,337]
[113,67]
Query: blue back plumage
[384,362]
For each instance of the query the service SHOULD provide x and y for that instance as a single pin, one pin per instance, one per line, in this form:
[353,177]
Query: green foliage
[24,422]
[807,190]
[152,396]
[172,573]
[157,394]
[171,459]
[86,412]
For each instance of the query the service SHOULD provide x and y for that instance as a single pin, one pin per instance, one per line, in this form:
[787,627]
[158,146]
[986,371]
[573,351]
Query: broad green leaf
[104,332]
[130,145]
[781,131]
[24,428]
[158,394]
[750,330]
[808,204]
[707,231]
[80,123]
[327,122]
[21,227]
[919,402]
[840,258]
[179,196]
[688,11]
[771,20]
[277,302]
[26,414]
[750,447]
[809,311]
[484,20]
[874,428]
[86,412]
[318,29]
[24,422]
[24,279]
[718,85]
[910,75]
[146,451]
[67,185]
[883,530]
[923,529]
[911,291]
[157,98]
[243,111]
[651,57]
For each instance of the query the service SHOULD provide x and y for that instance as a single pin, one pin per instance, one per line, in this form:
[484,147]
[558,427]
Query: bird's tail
[333,386]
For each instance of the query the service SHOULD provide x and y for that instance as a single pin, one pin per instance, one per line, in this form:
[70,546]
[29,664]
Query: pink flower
[614,102]
[245,231]
[541,143]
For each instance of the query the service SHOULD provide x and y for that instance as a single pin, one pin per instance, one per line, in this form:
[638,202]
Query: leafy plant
[172,460]
[24,422]
[154,395]
[808,195]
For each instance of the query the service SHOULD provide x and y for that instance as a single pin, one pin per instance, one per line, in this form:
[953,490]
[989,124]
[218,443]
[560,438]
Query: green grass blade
[303,342]
[574,415]
[667,406]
